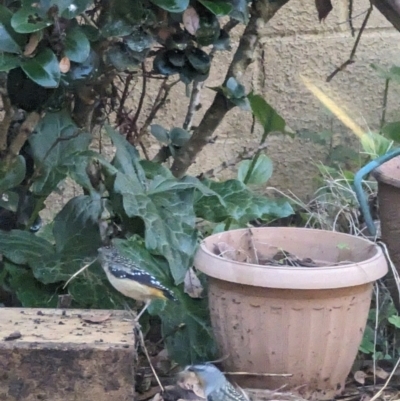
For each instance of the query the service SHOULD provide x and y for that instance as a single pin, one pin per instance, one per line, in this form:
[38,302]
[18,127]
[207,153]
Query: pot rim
[287,277]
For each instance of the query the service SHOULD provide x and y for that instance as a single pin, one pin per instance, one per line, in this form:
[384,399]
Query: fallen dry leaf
[32,44]
[360,376]
[324,7]
[65,65]
[191,20]
[379,372]
[96,318]
[192,284]
[189,381]
[13,336]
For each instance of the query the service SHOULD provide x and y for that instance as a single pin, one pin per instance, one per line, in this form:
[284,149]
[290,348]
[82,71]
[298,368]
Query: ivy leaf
[11,41]
[23,247]
[8,62]
[265,114]
[76,227]
[30,292]
[77,46]
[261,172]
[43,69]
[240,204]
[173,6]
[187,330]
[126,160]
[56,140]
[219,8]
[169,222]
[12,175]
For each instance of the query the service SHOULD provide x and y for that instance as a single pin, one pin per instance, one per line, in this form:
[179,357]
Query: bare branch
[7,119]
[25,130]
[390,9]
[245,155]
[261,12]
[350,60]
[193,104]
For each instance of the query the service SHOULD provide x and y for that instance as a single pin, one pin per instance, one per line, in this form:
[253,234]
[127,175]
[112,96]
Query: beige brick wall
[296,43]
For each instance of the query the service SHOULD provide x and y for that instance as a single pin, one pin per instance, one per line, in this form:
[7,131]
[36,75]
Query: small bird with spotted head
[214,384]
[130,280]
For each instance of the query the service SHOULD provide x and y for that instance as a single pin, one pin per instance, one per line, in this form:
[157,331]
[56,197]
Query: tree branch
[390,9]
[261,12]
[7,119]
[25,130]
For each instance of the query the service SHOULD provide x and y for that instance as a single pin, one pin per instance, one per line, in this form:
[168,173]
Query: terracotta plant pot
[303,321]
[388,177]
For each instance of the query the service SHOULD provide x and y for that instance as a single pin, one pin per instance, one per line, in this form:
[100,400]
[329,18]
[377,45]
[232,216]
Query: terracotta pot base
[313,326]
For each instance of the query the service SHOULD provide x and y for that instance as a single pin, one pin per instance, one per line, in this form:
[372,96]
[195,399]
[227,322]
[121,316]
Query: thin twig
[259,374]
[133,124]
[124,97]
[351,26]
[350,60]
[78,272]
[148,358]
[384,104]
[245,155]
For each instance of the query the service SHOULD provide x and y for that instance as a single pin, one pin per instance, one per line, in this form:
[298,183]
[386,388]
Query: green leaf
[160,133]
[392,131]
[30,18]
[56,141]
[187,331]
[240,204]
[127,159]
[77,46]
[240,11]
[30,292]
[8,62]
[219,8]
[23,247]
[261,173]
[395,320]
[375,145]
[367,343]
[173,6]
[169,222]
[13,174]
[10,41]
[153,169]
[392,74]
[76,227]
[265,114]
[179,136]
[43,69]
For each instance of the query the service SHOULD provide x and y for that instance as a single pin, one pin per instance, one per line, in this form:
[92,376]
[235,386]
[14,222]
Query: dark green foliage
[59,63]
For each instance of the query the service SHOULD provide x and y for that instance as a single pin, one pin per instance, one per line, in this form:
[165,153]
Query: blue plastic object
[372,165]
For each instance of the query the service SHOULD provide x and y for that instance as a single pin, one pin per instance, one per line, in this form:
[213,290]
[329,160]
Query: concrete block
[57,355]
